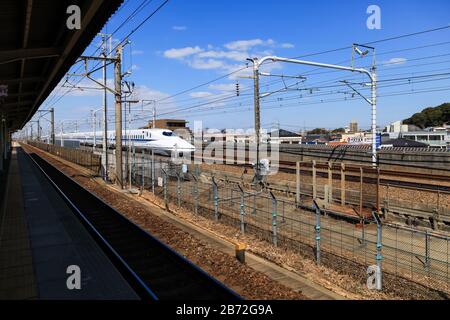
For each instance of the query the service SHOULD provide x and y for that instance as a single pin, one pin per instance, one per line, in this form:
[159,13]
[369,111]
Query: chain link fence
[83,158]
[347,244]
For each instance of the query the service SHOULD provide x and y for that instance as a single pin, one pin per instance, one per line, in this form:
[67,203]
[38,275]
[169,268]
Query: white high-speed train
[162,141]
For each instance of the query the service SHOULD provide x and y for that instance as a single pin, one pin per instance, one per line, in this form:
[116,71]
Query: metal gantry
[256,73]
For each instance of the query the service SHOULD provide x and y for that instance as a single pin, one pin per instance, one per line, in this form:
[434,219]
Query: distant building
[356,138]
[282,136]
[353,127]
[434,139]
[395,129]
[316,139]
[279,136]
[172,124]
[402,143]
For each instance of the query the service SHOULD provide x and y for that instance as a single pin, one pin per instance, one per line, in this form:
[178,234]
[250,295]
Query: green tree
[430,117]
[318,131]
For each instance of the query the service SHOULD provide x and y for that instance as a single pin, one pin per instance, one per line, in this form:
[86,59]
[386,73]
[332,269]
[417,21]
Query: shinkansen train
[162,141]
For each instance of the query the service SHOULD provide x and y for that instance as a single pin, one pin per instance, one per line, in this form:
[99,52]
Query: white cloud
[205,64]
[228,58]
[142,92]
[287,45]
[232,55]
[182,52]
[395,61]
[179,28]
[244,45]
[200,94]
[137,52]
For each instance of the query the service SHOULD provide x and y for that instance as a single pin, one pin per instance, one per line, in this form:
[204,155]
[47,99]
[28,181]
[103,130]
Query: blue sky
[191,42]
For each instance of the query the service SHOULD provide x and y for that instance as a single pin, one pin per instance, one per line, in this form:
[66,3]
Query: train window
[168,133]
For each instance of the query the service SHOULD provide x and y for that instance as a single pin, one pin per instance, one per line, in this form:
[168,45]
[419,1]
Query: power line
[379,54]
[120,42]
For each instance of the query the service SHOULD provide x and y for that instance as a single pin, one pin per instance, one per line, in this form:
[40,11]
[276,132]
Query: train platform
[40,237]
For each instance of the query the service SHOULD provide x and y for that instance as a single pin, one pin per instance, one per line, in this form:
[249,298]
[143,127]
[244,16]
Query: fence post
[195,193]
[143,169]
[317,228]
[242,212]
[330,181]
[427,250]
[178,190]
[216,199]
[361,181]
[274,220]
[363,230]
[343,183]
[166,203]
[378,256]
[378,191]
[314,182]
[297,194]
[134,166]
[153,171]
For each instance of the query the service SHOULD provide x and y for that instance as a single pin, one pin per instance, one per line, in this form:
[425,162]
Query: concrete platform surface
[40,237]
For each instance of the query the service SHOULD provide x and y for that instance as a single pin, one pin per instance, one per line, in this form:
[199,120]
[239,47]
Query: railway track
[353,175]
[155,271]
[408,179]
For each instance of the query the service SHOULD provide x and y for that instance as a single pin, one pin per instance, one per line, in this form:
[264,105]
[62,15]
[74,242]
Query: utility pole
[373,103]
[52,124]
[38,130]
[118,113]
[105,108]
[257,112]
[117,91]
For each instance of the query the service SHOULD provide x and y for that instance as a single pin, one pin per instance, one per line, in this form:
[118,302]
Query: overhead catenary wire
[243,68]
[121,41]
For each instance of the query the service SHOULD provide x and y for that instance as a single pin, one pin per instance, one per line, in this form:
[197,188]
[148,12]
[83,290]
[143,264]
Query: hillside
[430,117]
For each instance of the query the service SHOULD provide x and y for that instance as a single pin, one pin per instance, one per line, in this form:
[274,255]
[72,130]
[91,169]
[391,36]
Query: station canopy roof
[37,49]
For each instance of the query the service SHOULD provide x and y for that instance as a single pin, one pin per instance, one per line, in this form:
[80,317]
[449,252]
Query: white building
[248,136]
[435,139]
[397,127]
